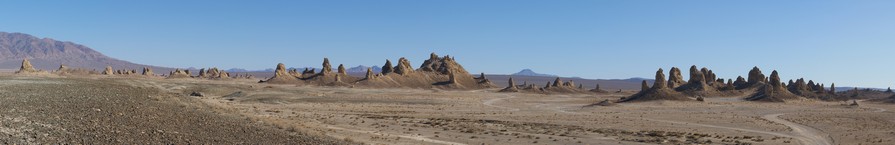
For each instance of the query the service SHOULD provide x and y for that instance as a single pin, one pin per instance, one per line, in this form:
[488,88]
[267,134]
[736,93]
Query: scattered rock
[197,94]
[605,102]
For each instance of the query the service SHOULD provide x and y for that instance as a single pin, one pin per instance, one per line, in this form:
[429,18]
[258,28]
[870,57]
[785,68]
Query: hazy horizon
[825,41]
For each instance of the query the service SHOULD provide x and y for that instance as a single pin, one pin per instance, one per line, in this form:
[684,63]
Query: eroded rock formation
[342,70]
[657,92]
[108,71]
[675,78]
[388,67]
[773,91]
[369,75]
[403,67]
[281,76]
[147,71]
[327,68]
[26,68]
[177,73]
[511,86]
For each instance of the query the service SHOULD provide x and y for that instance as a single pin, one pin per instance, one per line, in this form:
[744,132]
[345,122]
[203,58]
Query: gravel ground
[104,111]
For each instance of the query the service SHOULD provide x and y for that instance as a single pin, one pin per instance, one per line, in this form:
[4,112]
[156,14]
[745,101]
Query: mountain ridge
[49,54]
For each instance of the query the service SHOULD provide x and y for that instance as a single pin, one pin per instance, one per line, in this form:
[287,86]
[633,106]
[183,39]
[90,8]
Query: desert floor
[115,110]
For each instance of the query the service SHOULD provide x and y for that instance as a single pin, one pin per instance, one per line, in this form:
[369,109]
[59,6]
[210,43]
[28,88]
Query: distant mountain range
[529,72]
[48,54]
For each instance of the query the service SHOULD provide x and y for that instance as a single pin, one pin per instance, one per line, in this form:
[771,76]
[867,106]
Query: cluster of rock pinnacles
[445,72]
[211,73]
[703,83]
[436,72]
[557,86]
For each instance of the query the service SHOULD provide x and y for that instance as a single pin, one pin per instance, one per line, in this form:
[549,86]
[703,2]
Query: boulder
[197,94]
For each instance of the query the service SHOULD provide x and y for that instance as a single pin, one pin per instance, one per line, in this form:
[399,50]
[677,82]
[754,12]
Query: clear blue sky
[849,42]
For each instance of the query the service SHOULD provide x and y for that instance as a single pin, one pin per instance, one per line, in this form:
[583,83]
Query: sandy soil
[417,116]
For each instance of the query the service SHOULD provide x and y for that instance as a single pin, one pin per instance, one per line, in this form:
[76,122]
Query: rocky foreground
[106,111]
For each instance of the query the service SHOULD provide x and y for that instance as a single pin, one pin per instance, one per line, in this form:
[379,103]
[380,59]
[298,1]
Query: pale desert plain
[127,109]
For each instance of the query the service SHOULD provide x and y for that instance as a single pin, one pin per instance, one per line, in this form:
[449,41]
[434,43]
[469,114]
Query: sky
[849,43]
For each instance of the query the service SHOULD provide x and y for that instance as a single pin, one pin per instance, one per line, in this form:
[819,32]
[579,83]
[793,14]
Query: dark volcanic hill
[529,72]
[48,54]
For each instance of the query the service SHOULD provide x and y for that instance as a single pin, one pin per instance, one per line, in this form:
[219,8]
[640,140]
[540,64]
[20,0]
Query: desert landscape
[458,72]
[438,103]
